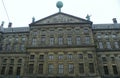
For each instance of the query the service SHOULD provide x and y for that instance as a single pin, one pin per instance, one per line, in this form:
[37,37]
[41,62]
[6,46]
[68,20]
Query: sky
[20,12]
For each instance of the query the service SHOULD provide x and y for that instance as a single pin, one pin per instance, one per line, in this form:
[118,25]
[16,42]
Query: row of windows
[61,68]
[61,56]
[108,45]
[106,36]
[107,72]
[9,70]
[11,61]
[60,30]
[61,40]
[104,59]
[16,39]
[15,47]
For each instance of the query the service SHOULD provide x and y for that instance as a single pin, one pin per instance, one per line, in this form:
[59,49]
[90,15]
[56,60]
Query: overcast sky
[20,12]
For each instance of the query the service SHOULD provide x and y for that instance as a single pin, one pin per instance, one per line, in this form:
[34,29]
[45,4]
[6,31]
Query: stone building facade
[60,46]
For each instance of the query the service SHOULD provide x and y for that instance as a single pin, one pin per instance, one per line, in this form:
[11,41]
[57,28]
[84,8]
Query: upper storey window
[86,30]
[52,40]
[106,36]
[35,32]
[69,40]
[114,36]
[43,40]
[60,40]
[34,41]
[100,45]
[78,40]
[87,40]
[108,45]
[116,45]
[23,39]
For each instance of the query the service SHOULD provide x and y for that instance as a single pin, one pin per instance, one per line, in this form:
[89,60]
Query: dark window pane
[81,68]
[91,68]
[115,71]
[106,70]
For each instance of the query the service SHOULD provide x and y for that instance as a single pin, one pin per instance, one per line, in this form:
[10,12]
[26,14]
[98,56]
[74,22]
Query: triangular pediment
[60,18]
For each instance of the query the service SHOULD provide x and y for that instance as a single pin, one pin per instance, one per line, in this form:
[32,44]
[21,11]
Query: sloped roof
[59,18]
[106,26]
[18,29]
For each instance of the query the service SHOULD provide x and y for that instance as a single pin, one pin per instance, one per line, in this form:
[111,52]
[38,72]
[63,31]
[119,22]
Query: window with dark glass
[104,59]
[90,56]
[12,61]
[31,68]
[60,68]
[71,68]
[19,60]
[91,68]
[80,56]
[81,67]
[40,69]
[41,57]
[115,71]
[112,58]
[106,72]
[10,72]
[32,56]
[50,68]
[3,70]
[18,70]
[4,61]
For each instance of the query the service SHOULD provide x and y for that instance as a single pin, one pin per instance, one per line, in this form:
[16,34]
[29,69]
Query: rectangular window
[70,56]
[50,68]
[41,57]
[60,40]
[3,70]
[104,59]
[31,68]
[78,40]
[87,40]
[18,70]
[71,68]
[91,68]
[106,72]
[69,40]
[81,68]
[100,45]
[60,68]
[10,72]
[12,61]
[52,40]
[22,47]
[32,57]
[115,71]
[43,40]
[34,41]
[60,57]
[40,69]
[108,45]
[90,56]
[50,57]
[80,56]
[116,45]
